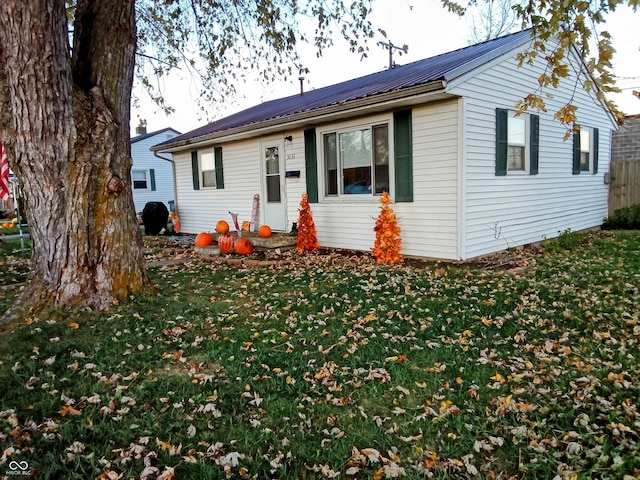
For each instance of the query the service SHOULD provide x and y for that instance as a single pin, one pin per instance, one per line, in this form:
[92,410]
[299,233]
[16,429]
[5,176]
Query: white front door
[273,194]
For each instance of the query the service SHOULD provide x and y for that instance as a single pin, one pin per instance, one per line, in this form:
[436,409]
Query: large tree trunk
[68,140]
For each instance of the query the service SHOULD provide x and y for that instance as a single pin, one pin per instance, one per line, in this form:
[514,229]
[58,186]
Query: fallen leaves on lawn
[339,367]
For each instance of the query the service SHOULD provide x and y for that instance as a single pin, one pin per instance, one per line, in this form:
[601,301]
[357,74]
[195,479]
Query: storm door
[273,194]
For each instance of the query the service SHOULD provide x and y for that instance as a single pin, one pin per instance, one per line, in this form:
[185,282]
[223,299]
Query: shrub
[624,219]
[567,240]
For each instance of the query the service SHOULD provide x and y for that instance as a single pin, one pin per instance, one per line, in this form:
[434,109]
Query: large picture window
[356,161]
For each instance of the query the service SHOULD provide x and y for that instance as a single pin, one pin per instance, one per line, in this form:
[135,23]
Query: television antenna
[391,47]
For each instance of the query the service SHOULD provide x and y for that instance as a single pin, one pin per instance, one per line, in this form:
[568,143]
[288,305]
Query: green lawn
[340,368]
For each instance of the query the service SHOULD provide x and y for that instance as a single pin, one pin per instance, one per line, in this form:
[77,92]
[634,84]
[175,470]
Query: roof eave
[484,60]
[402,97]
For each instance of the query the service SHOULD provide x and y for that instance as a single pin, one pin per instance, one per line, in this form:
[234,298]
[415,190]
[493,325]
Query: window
[392,162]
[139,178]
[208,169]
[585,150]
[356,161]
[143,179]
[517,142]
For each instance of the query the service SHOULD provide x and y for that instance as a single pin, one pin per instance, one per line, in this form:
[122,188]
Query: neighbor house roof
[431,72]
[144,136]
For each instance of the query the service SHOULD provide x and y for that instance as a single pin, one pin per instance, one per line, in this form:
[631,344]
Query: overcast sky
[427,28]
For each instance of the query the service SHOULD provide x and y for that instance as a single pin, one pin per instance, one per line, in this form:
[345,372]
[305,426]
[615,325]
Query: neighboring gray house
[466,176]
[151,177]
[625,143]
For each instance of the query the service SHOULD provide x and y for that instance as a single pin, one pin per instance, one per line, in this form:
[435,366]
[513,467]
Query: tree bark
[65,120]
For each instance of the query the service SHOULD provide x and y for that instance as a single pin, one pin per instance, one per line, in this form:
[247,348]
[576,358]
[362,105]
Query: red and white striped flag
[5,193]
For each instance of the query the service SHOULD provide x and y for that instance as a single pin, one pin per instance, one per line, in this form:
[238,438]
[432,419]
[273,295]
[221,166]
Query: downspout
[173,173]
[462,179]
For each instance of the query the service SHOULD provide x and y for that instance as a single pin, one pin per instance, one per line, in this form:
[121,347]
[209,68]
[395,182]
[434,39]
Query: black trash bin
[154,218]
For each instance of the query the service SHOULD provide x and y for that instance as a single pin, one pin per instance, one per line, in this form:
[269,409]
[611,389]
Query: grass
[14,265]
[340,367]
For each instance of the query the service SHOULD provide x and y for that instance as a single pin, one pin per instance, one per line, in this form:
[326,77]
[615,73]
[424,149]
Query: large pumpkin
[222,227]
[243,246]
[225,243]
[204,239]
[264,231]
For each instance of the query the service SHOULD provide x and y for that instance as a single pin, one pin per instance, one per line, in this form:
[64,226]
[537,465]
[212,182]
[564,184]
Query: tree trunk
[65,120]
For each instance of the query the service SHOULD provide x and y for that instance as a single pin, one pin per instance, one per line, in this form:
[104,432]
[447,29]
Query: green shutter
[595,150]
[403,149]
[576,152]
[217,153]
[152,179]
[311,164]
[195,170]
[502,122]
[534,143]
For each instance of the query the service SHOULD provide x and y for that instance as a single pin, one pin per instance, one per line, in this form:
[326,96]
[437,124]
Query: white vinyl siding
[429,223]
[144,161]
[460,207]
[512,210]
[201,209]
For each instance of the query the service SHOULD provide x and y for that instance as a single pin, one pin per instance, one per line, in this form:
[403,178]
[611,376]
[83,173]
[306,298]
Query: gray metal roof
[439,68]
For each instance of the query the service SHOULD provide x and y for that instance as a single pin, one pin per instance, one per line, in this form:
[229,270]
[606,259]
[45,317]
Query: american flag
[5,194]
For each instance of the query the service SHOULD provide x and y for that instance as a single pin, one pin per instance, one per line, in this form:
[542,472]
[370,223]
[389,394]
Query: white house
[467,177]
[151,177]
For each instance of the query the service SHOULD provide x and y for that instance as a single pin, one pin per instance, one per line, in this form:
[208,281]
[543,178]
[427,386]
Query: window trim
[526,146]
[347,126]
[201,171]
[531,146]
[147,186]
[594,146]
[581,149]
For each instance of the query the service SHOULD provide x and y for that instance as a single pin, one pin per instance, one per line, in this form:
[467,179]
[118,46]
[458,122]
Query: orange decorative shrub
[307,240]
[222,227]
[264,231]
[225,243]
[386,248]
[204,239]
[243,246]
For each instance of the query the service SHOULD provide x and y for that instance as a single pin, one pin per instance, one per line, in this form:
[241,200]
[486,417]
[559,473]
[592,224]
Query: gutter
[410,95]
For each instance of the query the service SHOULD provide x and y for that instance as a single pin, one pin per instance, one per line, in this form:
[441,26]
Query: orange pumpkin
[243,246]
[204,239]
[222,227]
[225,243]
[7,225]
[264,231]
